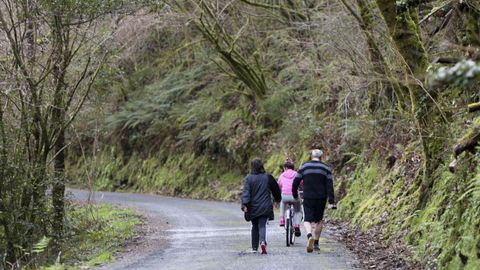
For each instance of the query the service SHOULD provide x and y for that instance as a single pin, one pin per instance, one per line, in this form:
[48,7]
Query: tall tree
[402,21]
[54,54]
[367,22]
[211,19]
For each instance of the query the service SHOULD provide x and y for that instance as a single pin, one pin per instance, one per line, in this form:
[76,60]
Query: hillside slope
[193,98]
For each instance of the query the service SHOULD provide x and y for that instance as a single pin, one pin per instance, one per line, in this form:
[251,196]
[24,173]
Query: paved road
[214,235]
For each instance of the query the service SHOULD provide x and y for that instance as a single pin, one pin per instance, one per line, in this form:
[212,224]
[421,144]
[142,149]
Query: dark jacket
[256,196]
[317,181]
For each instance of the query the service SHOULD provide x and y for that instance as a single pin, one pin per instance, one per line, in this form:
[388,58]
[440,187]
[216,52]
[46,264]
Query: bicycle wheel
[287,229]
[292,230]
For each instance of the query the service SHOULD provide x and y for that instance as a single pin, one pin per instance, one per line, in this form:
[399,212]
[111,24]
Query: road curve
[214,235]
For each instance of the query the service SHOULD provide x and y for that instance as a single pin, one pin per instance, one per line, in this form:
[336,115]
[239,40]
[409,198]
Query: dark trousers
[259,231]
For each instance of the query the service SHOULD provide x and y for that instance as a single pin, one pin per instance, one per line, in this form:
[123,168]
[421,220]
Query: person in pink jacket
[285,182]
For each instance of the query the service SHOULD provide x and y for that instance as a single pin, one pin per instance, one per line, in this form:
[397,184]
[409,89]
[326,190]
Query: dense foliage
[50,56]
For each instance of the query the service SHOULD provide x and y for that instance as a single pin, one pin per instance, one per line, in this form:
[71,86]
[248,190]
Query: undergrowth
[180,175]
[94,234]
[444,233]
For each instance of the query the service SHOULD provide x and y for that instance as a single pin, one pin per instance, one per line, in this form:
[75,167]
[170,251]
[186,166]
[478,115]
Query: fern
[41,245]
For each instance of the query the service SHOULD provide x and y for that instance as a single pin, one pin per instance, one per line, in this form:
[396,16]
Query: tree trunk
[403,27]
[469,141]
[35,197]
[367,26]
[3,159]
[58,189]
[58,120]
[3,168]
[366,21]
[474,107]
[380,65]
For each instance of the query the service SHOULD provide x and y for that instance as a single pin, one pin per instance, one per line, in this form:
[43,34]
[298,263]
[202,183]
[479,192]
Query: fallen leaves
[372,249]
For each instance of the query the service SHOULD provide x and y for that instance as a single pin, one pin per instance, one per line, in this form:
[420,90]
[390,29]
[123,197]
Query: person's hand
[332,206]
[244,209]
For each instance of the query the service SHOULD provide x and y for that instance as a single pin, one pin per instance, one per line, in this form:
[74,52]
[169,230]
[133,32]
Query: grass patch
[94,234]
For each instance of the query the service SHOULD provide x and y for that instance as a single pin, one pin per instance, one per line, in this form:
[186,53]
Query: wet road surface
[214,235]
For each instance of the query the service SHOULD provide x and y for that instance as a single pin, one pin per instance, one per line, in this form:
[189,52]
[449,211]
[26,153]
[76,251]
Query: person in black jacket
[257,202]
[317,188]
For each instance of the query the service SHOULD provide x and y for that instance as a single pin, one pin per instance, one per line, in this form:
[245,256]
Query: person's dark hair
[288,165]
[257,166]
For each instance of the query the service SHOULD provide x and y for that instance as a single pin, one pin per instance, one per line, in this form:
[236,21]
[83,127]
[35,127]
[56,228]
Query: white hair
[317,153]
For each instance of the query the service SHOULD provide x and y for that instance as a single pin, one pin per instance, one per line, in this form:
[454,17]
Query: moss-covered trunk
[367,25]
[366,21]
[402,23]
[380,65]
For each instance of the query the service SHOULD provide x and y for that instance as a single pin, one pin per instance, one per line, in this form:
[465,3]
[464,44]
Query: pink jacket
[285,181]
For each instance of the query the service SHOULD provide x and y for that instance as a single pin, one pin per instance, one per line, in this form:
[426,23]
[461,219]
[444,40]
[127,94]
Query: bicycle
[289,225]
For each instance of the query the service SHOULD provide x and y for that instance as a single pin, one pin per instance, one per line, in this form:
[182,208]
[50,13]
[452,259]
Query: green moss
[360,185]
[446,226]
[101,258]
[473,131]
[179,175]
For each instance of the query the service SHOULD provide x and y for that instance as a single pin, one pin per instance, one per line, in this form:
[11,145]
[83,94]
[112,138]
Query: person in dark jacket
[257,202]
[317,188]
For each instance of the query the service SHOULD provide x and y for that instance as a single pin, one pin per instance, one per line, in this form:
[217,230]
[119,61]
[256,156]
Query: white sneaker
[310,243]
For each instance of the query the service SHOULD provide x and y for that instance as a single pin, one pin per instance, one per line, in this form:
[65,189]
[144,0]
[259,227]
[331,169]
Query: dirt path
[213,235]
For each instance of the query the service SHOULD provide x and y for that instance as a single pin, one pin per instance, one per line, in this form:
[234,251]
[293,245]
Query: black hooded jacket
[257,192]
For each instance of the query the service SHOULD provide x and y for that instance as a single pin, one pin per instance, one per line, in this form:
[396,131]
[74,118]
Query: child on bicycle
[285,182]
